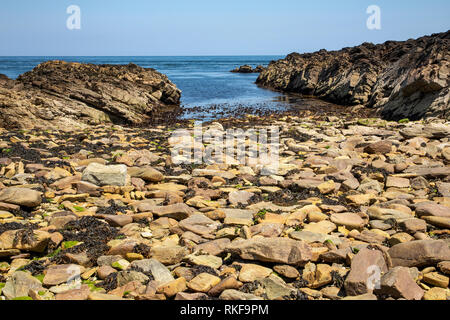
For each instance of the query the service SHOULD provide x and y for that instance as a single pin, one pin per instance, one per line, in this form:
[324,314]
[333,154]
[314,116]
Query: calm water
[206,82]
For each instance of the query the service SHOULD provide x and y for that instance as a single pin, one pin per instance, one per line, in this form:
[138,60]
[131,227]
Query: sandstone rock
[253,272]
[238,217]
[203,282]
[21,196]
[236,295]
[67,95]
[349,220]
[19,284]
[27,240]
[436,294]
[419,253]
[279,250]
[372,75]
[160,273]
[100,175]
[147,174]
[398,283]
[432,209]
[379,147]
[62,274]
[366,270]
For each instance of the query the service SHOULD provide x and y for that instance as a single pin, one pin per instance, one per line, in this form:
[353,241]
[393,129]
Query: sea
[209,89]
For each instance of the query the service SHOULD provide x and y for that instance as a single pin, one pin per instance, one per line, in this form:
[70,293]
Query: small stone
[238,217]
[19,284]
[253,272]
[327,187]
[101,175]
[287,271]
[396,182]
[349,220]
[235,295]
[381,147]
[227,283]
[436,294]
[436,279]
[170,289]
[203,282]
[444,266]
[64,273]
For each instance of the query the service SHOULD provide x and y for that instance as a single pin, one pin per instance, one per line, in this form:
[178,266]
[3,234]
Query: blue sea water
[205,81]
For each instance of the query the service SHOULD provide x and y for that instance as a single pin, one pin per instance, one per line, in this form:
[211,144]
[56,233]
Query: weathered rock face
[248,69]
[407,79]
[62,94]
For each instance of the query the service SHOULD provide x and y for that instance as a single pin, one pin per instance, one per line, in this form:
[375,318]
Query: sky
[209,27]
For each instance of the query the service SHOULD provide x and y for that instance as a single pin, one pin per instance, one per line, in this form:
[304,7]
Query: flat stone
[253,272]
[203,282]
[75,294]
[205,260]
[432,209]
[287,271]
[396,182]
[279,250]
[240,197]
[160,273]
[148,174]
[323,227]
[199,224]
[349,220]
[21,196]
[436,294]
[381,147]
[101,175]
[19,284]
[238,217]
[311,237]
[421,253]
[276,288]
[235,295]
[178,211]
[436,279]
[169,254]
[228,283]
[64,273]
[38,242]
[413,225]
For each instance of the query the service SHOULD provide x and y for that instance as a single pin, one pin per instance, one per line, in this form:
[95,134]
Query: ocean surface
[208,87]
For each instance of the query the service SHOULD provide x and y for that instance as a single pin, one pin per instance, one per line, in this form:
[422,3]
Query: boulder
[101,175]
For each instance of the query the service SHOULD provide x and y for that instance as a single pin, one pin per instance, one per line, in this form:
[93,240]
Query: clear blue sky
[209,27]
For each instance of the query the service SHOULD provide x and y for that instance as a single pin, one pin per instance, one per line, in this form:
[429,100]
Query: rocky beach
[94,205]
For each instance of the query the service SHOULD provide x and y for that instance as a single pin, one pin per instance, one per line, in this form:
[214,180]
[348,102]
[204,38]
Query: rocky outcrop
[248,69]
[62,94]
[408,79]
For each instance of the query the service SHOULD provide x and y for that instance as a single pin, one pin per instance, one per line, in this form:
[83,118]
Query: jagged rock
[68,95]
[408,79]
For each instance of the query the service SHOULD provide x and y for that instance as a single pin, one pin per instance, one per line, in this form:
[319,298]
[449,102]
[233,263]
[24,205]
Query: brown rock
[398,283]
[420,253]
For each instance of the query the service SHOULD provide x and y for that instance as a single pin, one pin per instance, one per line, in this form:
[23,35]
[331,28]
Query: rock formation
[62,94]
[408,79]
[248,69]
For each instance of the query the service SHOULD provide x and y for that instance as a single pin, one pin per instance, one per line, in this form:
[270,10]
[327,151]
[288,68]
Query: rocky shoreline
[105,214]
[58,94]
[404,79]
